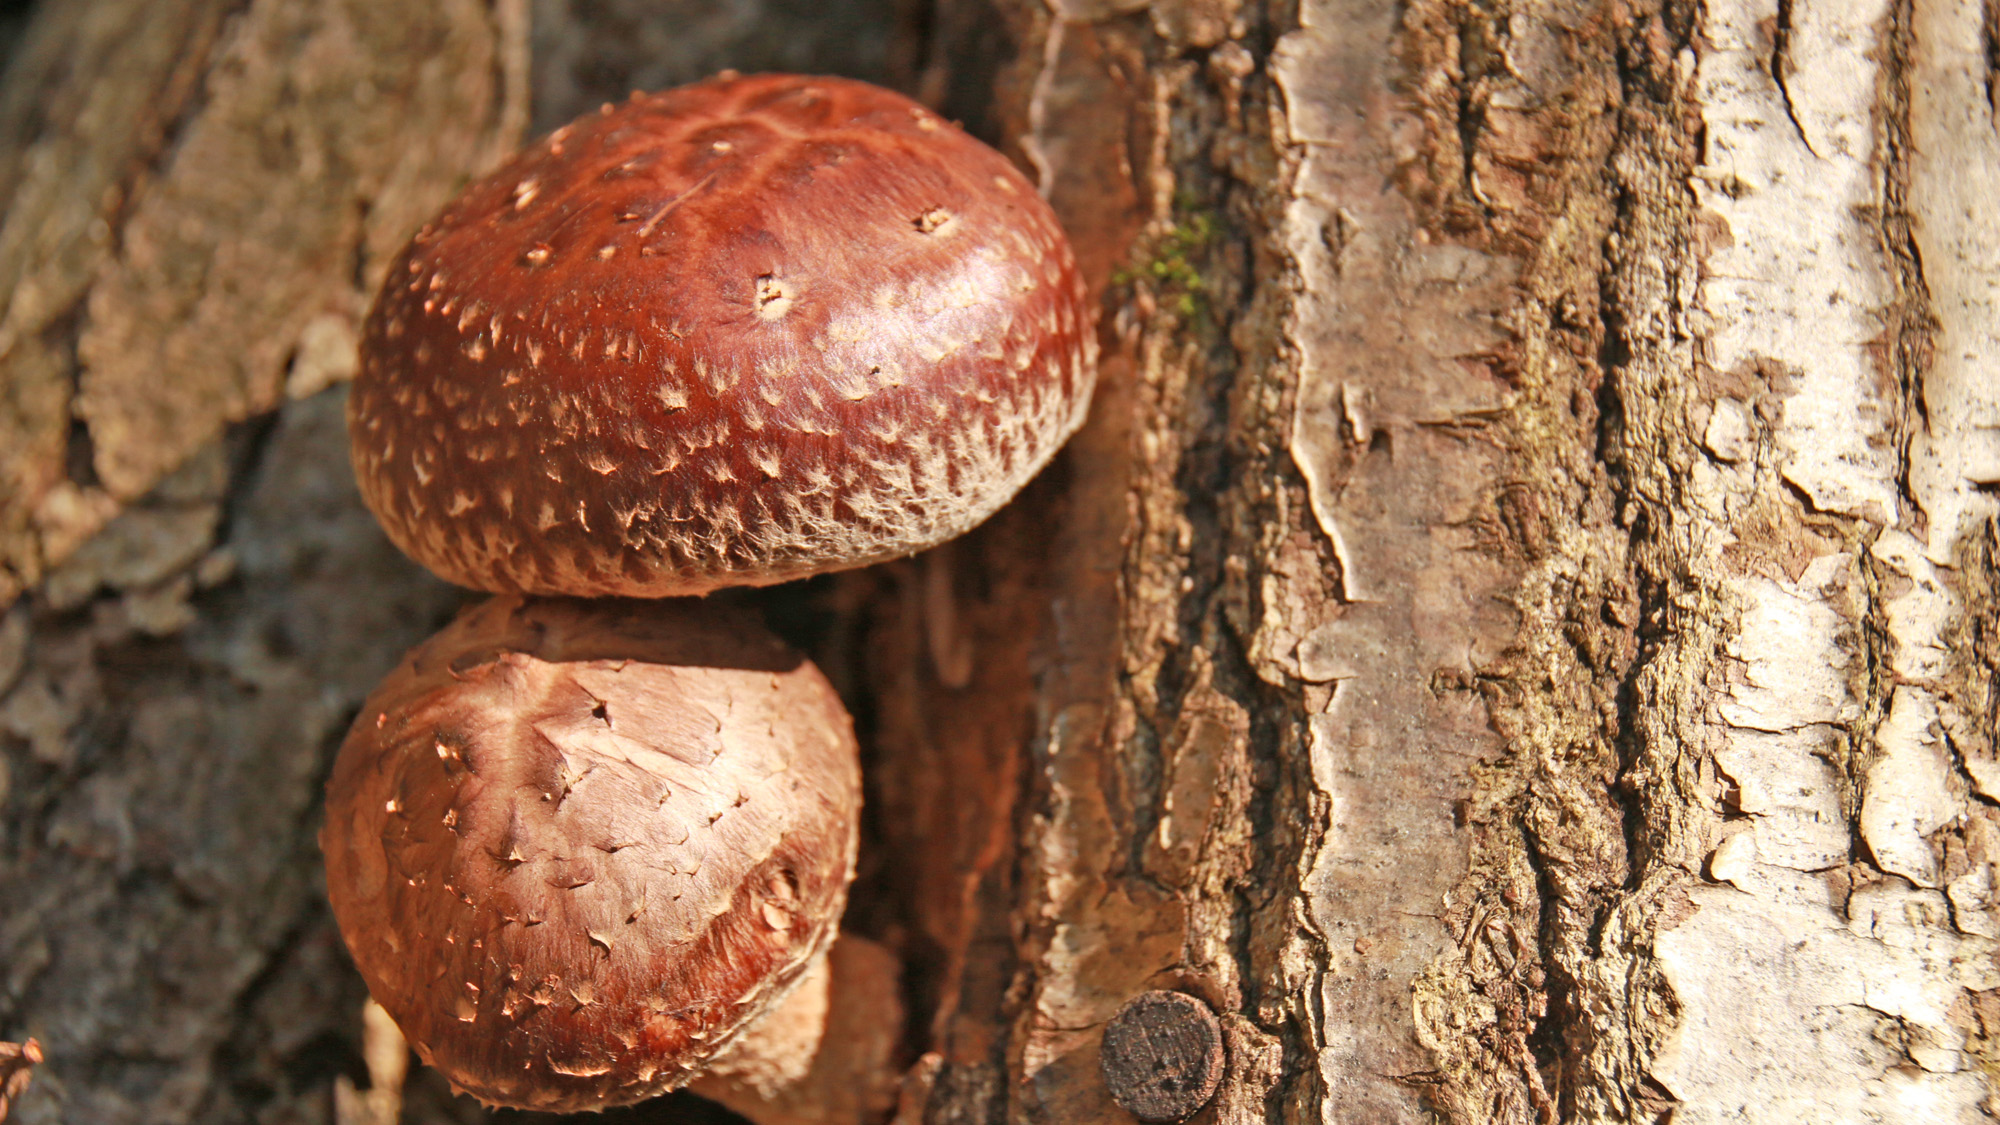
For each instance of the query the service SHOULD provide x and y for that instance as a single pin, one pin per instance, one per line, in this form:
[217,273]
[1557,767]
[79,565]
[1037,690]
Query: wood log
[1515,639]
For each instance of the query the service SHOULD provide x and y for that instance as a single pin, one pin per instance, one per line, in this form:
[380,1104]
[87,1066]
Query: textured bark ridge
[1702,382]
[1810,414]
[1155,798]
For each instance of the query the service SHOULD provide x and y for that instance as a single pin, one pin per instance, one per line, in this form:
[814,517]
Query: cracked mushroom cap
[736,333]
[576,847]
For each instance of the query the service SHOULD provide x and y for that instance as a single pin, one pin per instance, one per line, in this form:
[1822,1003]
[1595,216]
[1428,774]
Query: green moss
[1168,265]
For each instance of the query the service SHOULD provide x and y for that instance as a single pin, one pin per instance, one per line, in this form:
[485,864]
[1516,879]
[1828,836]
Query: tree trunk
[1516,638]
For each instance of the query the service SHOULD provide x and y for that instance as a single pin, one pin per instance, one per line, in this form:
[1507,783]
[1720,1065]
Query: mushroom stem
[777,1051]
[827,1054]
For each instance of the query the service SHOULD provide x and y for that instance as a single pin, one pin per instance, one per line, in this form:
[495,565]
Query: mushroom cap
[736,333]
[576,847]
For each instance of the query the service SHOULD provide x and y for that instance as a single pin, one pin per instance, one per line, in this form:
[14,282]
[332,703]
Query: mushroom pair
[737,333]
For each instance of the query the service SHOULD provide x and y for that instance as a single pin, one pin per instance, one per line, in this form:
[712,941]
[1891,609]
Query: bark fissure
[1989,35]
[1781,62]
[1551,852]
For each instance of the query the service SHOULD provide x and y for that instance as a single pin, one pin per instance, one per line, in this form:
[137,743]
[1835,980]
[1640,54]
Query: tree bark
[1516,638]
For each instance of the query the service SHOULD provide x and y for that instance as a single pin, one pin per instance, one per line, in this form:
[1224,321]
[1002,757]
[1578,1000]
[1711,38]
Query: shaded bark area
[198,198]
[13,19]
[166,935]
[591,51]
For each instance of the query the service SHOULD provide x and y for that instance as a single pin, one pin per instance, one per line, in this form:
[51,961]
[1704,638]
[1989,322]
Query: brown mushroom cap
[732,334]
[575,847]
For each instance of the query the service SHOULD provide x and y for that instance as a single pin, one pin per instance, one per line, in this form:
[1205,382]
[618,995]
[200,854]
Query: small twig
[388,1058]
